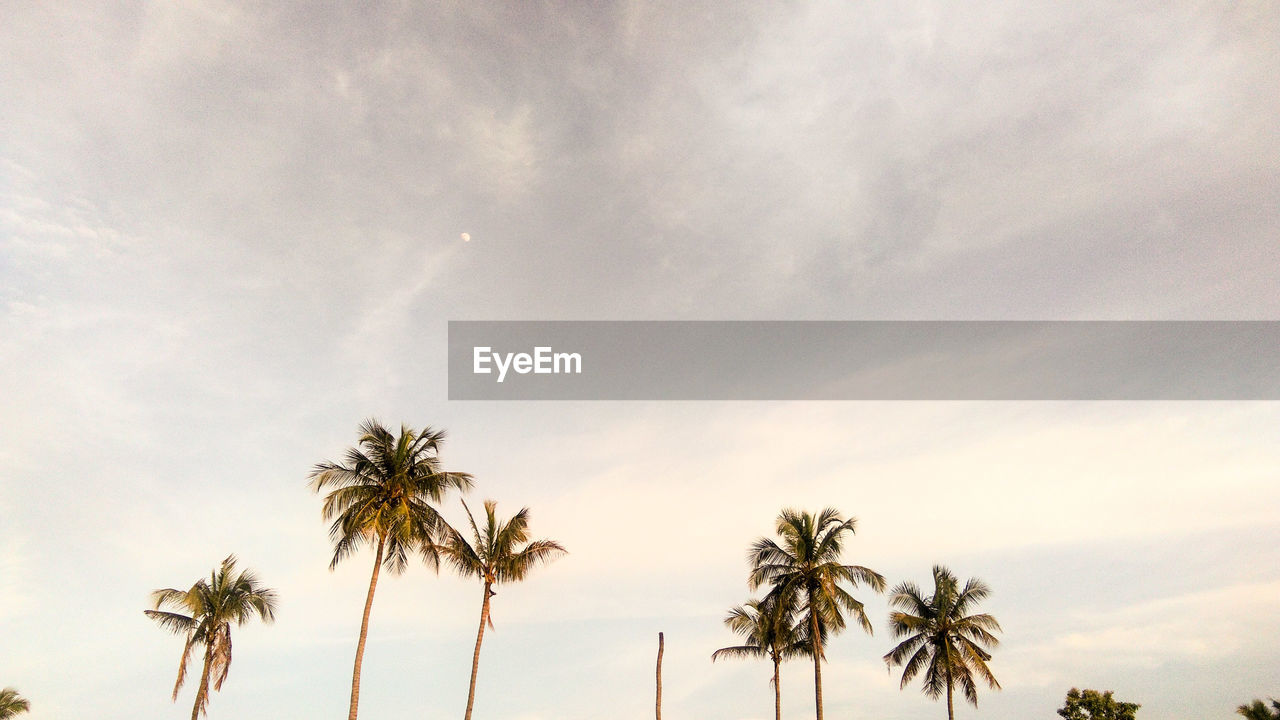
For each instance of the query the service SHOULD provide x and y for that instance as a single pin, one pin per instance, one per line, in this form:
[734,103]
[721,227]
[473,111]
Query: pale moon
[466,237]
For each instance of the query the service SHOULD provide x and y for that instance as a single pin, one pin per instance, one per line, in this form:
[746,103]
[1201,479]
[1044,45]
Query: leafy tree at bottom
[1094,705]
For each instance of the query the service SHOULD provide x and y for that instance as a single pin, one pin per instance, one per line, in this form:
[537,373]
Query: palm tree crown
[383,494]
[941,640]
[499,552]
[204,613]
[769,631]
[805,562]
[11,703]
[1258,710]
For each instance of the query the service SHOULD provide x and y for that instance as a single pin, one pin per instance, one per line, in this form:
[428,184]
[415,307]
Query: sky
[229,233]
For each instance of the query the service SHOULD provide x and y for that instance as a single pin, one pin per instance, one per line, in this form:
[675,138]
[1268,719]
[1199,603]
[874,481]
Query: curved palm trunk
[202,691]
[817,662]
[364,631]
[475,658]
[777,691]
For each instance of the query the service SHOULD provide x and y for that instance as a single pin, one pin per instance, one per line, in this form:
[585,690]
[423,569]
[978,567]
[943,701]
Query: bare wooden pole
[658,703]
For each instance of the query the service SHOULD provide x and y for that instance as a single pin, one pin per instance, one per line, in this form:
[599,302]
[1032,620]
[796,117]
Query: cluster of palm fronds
[12,704]
[384,494]
[809,599]
[204,614]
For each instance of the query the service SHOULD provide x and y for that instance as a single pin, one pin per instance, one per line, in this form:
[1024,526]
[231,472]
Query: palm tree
[942,640]
[806,568]
[1257,710]
[769,632]
[204,614]
[11,704]
[383,494]
[500,552]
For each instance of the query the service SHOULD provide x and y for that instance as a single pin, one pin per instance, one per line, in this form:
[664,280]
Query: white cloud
[1200,627]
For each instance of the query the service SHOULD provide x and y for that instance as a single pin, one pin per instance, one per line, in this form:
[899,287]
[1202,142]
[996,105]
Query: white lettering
[543,361]
[572,363]
[502,366]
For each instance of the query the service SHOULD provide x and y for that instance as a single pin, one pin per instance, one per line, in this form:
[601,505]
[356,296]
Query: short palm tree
[499,552]
[942,641]
[805,566]
[769,631]
[204,614]
[12,704]
[1257,710]
[382,496]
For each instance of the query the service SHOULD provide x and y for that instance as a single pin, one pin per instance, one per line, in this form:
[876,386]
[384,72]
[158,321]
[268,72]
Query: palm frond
[739,651]
[173,622]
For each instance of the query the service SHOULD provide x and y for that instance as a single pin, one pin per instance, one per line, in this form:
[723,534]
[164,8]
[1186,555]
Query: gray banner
[864,360]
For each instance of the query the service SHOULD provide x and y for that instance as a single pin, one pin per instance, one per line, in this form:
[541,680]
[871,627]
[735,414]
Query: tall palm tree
[770,632]
[805,566]
[1257,710]
[11,704]
[382,496]
[941,639]
[204,614]
[499,552]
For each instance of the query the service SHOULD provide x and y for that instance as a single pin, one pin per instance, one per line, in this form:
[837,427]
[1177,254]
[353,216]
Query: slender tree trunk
[777,691]
[817,661]
[657,707]
[475,658]
[364,631]
[202,690]
[951,710]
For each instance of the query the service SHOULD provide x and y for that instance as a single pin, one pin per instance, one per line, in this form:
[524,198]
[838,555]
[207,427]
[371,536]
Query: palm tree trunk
[657,707]
[817,661]
[951,710]
[364,631]
[475,658]
[777,691]
[202,691]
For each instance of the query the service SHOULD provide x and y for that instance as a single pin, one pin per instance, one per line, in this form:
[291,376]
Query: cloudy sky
[230,233]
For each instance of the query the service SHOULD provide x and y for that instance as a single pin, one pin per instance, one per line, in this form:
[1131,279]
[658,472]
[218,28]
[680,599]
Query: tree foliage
[499,550]
[805,567]
[1258,710]
[385,492]
[12,704]
[769,631]
[942,642]
[204,614]
[1094,705]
